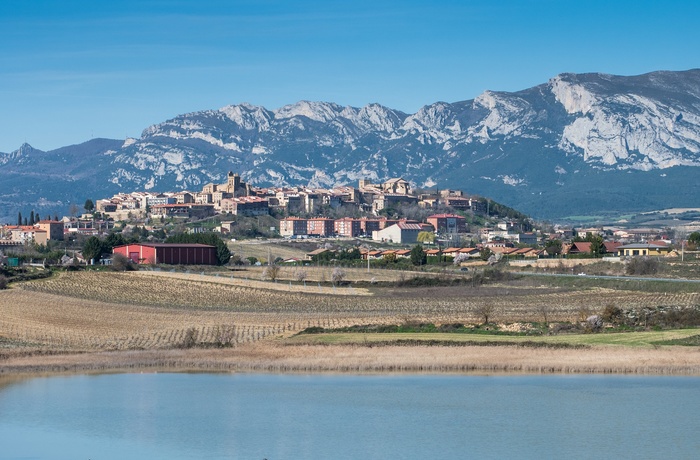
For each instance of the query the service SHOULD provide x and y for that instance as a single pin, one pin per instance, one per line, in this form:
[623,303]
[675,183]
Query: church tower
[234,182]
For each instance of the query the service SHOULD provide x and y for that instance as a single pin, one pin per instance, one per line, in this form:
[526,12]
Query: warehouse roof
[168,245]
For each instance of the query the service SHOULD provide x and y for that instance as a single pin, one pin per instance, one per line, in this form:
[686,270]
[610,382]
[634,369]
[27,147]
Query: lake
[242,416]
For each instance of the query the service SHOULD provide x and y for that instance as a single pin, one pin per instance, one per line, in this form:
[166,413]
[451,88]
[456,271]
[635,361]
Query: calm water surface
[224,416]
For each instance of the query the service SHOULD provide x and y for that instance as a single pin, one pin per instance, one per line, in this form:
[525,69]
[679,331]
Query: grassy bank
[646,339]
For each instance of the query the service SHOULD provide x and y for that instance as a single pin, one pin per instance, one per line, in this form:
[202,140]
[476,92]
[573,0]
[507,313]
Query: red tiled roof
[611,246]
[166,245]
[580,247]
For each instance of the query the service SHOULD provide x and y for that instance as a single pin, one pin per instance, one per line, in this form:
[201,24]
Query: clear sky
[72,70]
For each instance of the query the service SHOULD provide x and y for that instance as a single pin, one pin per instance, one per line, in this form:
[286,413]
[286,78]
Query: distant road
[608,277]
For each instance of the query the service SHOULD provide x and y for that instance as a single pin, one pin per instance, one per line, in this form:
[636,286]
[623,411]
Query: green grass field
[627,339]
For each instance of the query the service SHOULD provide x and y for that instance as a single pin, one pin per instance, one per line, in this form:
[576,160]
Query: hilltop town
[448,223]
[234,269]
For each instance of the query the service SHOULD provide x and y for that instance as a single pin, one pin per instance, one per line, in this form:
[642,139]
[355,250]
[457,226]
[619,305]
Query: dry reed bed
[266,357]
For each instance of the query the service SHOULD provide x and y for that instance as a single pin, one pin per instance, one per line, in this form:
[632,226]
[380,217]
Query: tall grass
[266,357]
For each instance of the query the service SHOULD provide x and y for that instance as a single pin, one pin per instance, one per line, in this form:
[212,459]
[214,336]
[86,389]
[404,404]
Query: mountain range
[577,144]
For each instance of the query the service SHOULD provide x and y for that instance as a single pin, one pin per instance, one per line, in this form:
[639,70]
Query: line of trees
[32,219]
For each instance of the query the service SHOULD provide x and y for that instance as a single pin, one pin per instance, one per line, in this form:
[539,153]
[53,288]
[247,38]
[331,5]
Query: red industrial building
[164,253]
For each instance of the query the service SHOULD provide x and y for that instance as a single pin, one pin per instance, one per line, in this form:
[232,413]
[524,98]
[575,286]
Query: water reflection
[290,416]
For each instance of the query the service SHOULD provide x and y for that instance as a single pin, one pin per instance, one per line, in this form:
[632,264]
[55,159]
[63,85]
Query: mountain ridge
[611,139]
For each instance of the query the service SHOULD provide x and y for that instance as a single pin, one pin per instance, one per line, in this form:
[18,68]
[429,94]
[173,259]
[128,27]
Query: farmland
[93,313]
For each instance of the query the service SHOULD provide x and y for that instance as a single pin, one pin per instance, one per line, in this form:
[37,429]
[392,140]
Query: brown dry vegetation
[79,314]
[274,357]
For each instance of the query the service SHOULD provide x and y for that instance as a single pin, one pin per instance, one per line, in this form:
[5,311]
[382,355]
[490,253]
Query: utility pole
[366,247]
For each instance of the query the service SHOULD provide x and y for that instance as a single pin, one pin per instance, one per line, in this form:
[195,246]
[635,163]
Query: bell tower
[234,182]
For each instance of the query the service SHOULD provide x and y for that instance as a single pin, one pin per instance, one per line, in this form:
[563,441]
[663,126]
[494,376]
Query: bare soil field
[261,249]
[150,317]
[315,273]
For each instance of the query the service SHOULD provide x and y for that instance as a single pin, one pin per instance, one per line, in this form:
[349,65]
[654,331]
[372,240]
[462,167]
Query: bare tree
[544,310]
[300,275]
[461,257]
[190,339]
[271,272]
[337,275]
[225,335]
[485,311]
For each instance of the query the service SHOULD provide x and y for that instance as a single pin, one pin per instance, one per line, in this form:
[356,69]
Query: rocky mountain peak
[571,94]
[317,111]
[532,146]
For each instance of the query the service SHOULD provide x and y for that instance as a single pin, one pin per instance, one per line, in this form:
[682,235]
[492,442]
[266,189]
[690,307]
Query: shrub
[337,275]
[453,327]
[612,314]
[3,282]
[643,265]
[190,339]
[313,330]
[594,323]
[496,274]
[418,256]
[225,336]
[121,263]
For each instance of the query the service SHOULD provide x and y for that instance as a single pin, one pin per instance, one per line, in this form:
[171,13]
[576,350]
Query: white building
[401,233]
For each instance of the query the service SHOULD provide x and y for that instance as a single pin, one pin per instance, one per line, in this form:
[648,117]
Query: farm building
[164,253]
[402,233]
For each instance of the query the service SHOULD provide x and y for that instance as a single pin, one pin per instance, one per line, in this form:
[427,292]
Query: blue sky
[72,70]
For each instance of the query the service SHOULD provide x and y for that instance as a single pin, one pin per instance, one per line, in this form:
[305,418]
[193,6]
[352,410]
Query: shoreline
[359,359]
